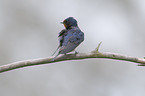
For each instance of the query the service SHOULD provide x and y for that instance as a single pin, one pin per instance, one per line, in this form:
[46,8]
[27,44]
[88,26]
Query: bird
[70,37]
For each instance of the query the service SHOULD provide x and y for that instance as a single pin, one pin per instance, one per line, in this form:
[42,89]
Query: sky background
[29,30]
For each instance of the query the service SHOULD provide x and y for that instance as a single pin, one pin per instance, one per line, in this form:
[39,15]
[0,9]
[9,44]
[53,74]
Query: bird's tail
[55,50]
[55,56]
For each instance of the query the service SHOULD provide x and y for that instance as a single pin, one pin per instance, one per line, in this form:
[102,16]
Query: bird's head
[69,22]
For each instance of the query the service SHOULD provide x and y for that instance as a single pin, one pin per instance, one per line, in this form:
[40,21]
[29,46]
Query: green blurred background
[29,30]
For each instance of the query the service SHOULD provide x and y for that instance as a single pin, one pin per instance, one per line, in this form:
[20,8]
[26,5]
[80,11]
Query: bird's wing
[61,38]
[71,41]
[77,37]
[61,33]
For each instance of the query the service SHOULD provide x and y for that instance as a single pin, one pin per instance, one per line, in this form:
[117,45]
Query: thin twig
[79,56]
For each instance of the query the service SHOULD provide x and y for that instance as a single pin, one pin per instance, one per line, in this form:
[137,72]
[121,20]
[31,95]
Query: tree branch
[79,56]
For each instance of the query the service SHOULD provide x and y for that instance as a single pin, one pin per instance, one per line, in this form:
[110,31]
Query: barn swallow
[70,37]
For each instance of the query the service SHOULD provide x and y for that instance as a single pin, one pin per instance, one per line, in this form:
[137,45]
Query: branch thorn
[97,49]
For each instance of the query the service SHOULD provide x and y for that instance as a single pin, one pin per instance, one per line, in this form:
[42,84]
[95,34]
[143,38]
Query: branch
[79,56]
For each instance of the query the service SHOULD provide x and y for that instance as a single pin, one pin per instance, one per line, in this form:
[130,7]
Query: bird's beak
[61,22]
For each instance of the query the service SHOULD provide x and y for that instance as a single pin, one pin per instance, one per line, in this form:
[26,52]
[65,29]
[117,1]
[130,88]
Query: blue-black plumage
[70,37]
